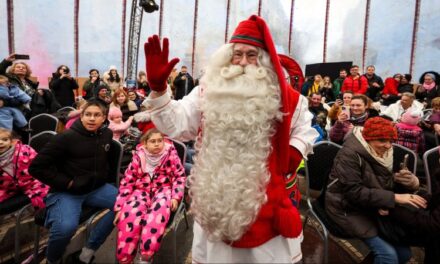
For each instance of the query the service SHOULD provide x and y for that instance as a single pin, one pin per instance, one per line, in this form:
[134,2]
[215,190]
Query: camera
[66,71]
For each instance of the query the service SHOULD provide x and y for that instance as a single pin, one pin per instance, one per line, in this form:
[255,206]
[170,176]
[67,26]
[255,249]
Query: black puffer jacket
[76,154]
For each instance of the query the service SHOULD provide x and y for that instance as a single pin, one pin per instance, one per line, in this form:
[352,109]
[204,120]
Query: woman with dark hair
[429,87]
[405,85]
[63,86]
[112,79]
[90,88]
[121,101]
[19,74]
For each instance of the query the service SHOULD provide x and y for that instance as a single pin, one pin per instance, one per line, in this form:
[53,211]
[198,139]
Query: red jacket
[357,86]
[390,86]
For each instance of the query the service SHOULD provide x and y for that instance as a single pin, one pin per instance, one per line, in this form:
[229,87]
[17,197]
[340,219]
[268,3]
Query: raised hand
[158,67]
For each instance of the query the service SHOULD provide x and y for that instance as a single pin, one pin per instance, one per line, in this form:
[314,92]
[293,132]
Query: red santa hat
[294,71]
[255,32]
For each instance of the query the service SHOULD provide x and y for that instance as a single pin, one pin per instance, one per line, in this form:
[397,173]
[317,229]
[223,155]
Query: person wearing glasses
[75,164]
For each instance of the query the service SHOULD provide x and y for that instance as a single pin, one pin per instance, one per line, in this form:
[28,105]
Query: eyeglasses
[250,56]
[94,115]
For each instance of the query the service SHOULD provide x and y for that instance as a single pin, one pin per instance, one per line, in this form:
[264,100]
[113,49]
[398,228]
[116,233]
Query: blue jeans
[63,212]
[385,253]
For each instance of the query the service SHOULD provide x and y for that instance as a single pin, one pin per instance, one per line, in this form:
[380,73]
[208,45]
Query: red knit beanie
[377,128]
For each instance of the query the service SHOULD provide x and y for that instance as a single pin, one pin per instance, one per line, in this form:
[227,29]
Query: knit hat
[113,67]
[114,112]
[411,117]
[254,31]
[379,128]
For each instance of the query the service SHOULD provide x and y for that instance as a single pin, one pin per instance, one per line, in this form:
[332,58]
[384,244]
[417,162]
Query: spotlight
[149,6]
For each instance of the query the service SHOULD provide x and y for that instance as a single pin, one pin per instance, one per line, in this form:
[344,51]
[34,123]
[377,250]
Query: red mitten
[158,67]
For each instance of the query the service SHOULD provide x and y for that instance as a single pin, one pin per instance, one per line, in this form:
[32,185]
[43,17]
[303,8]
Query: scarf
[150,161]
[428,87]
[6,163]
[359,120]
[386,160]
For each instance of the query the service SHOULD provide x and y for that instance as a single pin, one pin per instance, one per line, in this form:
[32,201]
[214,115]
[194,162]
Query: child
[12,97]
[15,159]
[152,186]
[116,125]
[409,134]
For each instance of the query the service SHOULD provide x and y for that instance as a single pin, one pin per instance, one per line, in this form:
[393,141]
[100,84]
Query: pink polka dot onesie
[144,202]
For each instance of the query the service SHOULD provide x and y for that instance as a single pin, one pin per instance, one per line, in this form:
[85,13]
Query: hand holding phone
[346,111]
[404,164]
[21,57]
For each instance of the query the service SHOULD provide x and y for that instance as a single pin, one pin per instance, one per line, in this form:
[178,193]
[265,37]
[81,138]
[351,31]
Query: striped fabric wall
[396,36]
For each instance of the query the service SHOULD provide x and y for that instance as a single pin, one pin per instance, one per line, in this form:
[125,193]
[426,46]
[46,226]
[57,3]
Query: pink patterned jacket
[170,174]
[22,181]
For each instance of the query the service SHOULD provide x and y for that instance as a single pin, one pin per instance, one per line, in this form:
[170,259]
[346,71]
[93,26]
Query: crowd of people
[250,130]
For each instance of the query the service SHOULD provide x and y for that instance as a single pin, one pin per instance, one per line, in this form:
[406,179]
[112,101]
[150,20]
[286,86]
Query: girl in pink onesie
[15,159]
[151,188]
[118,127]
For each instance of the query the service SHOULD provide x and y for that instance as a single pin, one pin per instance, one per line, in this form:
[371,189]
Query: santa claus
[251,131]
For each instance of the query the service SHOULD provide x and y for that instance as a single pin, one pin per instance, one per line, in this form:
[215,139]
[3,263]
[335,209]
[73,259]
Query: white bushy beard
[228,181]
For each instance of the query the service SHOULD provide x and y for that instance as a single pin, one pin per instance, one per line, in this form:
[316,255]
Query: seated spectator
[90,87]
[11,97]
[43,101]
[154,157]
[63,86]
[315,105]
[429,87]
[409,134]
[104,94]
[15,159]
[362,185]
[407,101]
[142,83]
[112,79]
[337,83]
[375,83]
[116,125]
[405,85]
[74,115]
[18,74]
[121,101]
[355,82]
[312,85]
[336,107]
[326,90]
[431,124]
[356,115]
[134,96]
[422,226]
[390,93]
[75,164]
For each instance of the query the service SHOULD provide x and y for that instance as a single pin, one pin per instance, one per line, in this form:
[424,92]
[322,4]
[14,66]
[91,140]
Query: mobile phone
[346,110]
[404,164]
[21,57]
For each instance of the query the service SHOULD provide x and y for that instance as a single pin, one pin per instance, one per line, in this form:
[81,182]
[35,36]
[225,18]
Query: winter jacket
[13,96]
[127,109]
[410,136]
[45,103]
[63,90]
[340,129]
[119,129]
[78,155]
[361,186]
[391,86]
[357,86]
[22,181]
[337,85]
[373,91]
[169,174]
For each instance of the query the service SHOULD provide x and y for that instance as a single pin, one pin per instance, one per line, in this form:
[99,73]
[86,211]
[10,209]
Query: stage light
[149,6]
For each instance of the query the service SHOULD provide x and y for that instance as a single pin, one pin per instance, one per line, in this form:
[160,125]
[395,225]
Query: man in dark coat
[183,83]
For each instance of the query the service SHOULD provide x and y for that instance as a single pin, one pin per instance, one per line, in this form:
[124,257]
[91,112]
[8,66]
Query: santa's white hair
[240,109]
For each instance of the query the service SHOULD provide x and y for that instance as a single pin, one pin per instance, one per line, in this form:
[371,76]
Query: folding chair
[38,141]
[431,162]
[42,122]
[399,153]
[66,109]
[318,167]
[17,206]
